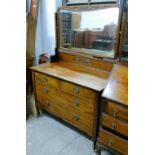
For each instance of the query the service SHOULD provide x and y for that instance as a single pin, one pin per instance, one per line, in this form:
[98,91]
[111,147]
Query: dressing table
[70,86]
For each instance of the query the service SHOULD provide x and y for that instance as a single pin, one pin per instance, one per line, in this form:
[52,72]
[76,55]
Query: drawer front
[62,105]
[83,107]
[114,124]
[112,141]
[78,91]
[44,79]
[116,111]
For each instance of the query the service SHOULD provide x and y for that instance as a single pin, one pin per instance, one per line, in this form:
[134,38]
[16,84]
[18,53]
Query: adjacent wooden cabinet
[113,126]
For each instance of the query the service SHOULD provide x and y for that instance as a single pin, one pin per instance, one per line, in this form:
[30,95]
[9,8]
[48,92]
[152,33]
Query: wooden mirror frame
[88,8]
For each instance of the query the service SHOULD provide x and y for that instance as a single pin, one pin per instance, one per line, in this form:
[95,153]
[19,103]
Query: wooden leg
[98,153]
[94,146]
[98,150]
[39,112]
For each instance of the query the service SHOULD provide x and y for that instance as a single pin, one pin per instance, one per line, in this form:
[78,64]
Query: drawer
[46,80]
[85,107]
[59,110]
[74,103]
[114,124]
[112,141]
[78,91]
[62,105]
[116,111]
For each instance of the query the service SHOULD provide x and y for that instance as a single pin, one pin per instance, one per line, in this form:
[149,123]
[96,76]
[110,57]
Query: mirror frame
[88,8]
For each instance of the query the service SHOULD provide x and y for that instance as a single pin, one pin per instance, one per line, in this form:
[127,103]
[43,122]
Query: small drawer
[46,80]
[116,111]
[77,90]
[113,142]
[114,124]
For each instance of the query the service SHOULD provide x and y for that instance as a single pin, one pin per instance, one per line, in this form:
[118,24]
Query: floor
[47,136]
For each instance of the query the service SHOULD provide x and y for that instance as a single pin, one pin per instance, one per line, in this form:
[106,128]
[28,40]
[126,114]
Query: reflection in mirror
[91,32]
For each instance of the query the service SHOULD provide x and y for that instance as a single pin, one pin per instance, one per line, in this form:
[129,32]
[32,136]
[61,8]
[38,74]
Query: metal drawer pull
[109,142]
[76,90]
[76,118]
[114,112]
[76,102]
[45,90]
[45,79]
[113,126]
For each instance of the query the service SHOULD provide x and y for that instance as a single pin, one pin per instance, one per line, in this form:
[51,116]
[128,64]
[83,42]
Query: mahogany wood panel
[92,79]
[113,141]
[94,63]
[114,124]
[117,87]
[116,111]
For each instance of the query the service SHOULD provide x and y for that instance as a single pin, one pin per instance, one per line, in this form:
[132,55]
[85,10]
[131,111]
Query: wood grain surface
[86,77]
[117,87]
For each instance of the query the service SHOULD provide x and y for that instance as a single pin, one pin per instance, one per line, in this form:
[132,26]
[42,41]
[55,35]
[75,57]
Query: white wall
[45,33]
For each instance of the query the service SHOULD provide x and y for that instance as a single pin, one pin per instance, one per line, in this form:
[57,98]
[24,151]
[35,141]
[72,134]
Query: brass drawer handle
[113,126]
[45,79]
[45,90]
[114,112]
[109,142]
[76,90]
[76,118]
[76,102]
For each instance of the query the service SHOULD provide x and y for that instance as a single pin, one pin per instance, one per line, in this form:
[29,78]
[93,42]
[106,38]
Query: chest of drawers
[71,102]
[113,117]
[113,128]
[69,92]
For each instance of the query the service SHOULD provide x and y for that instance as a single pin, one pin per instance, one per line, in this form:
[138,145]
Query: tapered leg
[39,112]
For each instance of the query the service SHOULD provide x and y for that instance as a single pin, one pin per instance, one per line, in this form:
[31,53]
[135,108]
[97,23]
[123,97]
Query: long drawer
[112,141]
[75,119]
[114,124]
[116,111]
[80,114]
[85,107]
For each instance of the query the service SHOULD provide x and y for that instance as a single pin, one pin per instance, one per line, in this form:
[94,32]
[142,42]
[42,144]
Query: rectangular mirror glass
[90,31]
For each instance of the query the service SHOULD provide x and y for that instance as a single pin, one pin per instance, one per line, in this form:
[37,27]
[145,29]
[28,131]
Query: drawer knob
[109,142]
[76,102]
[45,90]
[113,126]
[114,112]
[75,118]
[45,79]
[76,90]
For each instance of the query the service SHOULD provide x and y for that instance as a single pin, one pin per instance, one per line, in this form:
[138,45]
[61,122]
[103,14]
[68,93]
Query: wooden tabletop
[117,87]
[84,76]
